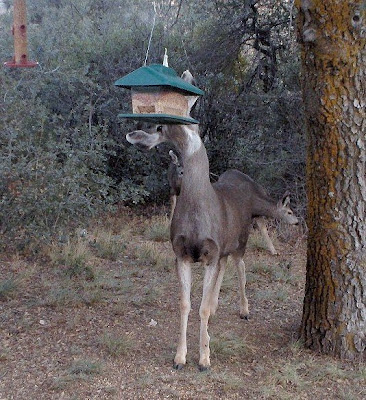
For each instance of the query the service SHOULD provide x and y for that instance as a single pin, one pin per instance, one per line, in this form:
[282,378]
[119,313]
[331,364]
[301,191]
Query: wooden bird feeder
[19,31]
[159,95]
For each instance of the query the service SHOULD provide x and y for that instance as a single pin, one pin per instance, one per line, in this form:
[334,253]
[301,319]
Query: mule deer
[175,173]
[210,222]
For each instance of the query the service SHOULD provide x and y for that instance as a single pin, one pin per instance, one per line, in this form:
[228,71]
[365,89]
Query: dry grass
[116,345]
[8,288]
[156,255]
[75,258]
[107,245]
[227,346]
[67,334]
[158,229]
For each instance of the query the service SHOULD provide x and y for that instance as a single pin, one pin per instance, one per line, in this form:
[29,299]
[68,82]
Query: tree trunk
[333,37]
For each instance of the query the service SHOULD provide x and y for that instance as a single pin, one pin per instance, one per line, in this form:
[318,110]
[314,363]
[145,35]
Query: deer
[175,173]
[209,223]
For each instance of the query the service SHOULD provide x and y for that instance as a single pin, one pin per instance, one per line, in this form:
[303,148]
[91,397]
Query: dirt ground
[102,323]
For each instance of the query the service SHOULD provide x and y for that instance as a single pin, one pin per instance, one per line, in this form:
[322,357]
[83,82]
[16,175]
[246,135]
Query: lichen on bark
[334,90]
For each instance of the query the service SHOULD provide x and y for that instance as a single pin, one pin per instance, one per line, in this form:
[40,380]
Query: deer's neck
[196,177]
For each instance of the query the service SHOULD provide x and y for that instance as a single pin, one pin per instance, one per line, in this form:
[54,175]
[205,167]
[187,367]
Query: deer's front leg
[185,279]
[263,229]
[211,274]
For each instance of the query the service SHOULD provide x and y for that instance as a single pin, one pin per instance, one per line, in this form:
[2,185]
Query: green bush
[63,153]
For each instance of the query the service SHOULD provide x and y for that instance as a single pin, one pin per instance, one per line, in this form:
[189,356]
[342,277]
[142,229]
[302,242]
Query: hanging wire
[151,34]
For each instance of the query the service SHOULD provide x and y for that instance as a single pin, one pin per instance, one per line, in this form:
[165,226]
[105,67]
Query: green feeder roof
[157,75]
[164,119]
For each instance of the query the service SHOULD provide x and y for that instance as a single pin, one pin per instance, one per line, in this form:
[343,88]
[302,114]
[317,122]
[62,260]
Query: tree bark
[333,38]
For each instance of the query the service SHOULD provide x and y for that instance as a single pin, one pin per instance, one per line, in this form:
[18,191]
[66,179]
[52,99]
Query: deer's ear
[188,77]
[286,200]
[191,102]
[174,157]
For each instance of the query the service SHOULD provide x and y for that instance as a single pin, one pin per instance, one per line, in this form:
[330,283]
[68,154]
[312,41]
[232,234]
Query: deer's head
[284,211]
[152,136]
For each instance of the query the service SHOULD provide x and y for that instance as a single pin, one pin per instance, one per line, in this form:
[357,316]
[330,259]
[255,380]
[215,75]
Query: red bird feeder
[19,31]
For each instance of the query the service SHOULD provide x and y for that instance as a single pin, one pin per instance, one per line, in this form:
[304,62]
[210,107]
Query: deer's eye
[159,128]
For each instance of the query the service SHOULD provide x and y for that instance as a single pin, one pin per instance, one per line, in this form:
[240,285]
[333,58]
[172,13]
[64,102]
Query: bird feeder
[19,31]
[159,95]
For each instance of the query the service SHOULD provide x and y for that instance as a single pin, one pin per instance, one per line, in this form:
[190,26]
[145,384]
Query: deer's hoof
[178,367]
[203,368]
[244,316]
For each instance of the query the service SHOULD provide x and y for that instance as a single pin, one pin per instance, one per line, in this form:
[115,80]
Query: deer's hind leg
[185,280]
[210,279]
[216,292]
[240,266]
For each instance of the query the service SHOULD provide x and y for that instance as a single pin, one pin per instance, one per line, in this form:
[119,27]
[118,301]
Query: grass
[256,241]
[158,229]
[149,296]
[79,370]
[4,355]
[280,294]
[281,274]
[107,245]
[8,288]
[229,381]
[303,371]
[249,359]
[85,368]
[75,259]
[230,279]
[261,268]
[154,254]
[69,293]
[228,346]
[116,345]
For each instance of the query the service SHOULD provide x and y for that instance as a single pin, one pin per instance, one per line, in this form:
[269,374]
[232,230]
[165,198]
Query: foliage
[63,155]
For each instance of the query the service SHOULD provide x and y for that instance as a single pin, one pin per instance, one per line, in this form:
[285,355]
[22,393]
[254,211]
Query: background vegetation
[63,156]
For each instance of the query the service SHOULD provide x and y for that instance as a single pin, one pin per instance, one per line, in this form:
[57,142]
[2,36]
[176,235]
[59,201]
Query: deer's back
[245,183]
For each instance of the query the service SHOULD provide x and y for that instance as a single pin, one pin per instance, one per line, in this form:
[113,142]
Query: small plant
[80,369]
[4,354]
[108,246]
[290,375]
[85,368]
[71,293]
[224,347]
[8,288]
[62,296]
[256,241]
[116,345]
[150,295]
[260,268]
[155,255]
[158,229]
[229,381]
[272,294]
[74,258]
[228,283]
[282,274]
